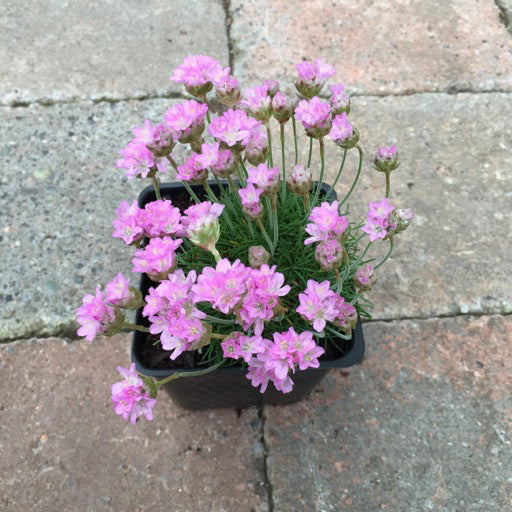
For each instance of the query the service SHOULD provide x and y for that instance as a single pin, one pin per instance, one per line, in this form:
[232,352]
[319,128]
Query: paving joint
[266,477]
[67,331]
[505,15]
[228,20]
[47,102]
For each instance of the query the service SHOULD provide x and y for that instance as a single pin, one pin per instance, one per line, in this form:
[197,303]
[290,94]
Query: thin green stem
[310,150]
[283,162]
[233,188]
[275,222]
[135,327]
[329,192]
[265,235]
[357,176]
[362,255]
[216,254]
[388,184]
[156,186]
[391,243]
[191,192]
[210,193]
[338,334]
[322,169]
[178,375]
[215,320]
[294,124]
[269,135]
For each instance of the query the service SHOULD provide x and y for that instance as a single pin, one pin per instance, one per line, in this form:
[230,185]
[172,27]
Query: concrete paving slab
[63,448]
[69,49]
[59,189]
[423,424]
[380,47]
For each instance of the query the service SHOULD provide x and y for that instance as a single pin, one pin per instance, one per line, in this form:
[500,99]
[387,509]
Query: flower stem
[216,254]
[178,375]
[329,192]
[295,139]
[357,176]
[218,336]
[135,327]
[283,163]
[388,186]
[391,243]
[322,168]
[156,186]
[191,192]
[310,150]
[269,136]
[215,320]
[233,188]
[265,235]
[274,220]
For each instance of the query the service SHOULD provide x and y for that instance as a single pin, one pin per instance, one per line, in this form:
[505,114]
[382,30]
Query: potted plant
[253,276]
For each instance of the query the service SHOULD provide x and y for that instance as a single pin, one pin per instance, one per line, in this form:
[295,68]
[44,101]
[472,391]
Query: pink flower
[340,100]
[256,149]
[315,115]
[233,128]
[192,170]
[222,286]
[312,77]
[250,197]
[201,222]
[158,139]
[264,288]
[329,254]
[209,154]
[283,106]
[386,159]
[257,102]
[364,278]
[258,255]
[227,88]
[225,165]
[342,132]
[158,258]
[238,345]
[380,221]
[127,225]
[117,291]
[326,224]
[197,72]
[300,181]
[272,87]
[94,315]
[138,161]
[173,315]
[186,119]
[346,316]
[318,304]
[130,398]
[160,218]
[264,178]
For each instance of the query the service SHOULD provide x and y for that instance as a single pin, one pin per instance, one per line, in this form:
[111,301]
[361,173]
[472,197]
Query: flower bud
[329,254]
[283,106]
[226,164]
[272,87]
[300,181]
[364,278]
[343,133]
[258,256]
[386,159]
[227,90]
[256,149]
[340,100]
[402,219]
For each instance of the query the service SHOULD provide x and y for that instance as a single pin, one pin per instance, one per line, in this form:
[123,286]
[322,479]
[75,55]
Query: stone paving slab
[379,47]
[63,448]
[59,189]
[425,423]
[68,49]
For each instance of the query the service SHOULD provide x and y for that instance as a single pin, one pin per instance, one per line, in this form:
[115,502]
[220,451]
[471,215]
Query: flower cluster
[130,397]
[230,264]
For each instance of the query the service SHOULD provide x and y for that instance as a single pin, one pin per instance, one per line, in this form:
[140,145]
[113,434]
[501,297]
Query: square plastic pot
[229,387]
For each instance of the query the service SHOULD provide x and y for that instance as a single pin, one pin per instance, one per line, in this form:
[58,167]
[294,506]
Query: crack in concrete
[47,102]
[505,15]
[68,331]
[228,20]
[266,476]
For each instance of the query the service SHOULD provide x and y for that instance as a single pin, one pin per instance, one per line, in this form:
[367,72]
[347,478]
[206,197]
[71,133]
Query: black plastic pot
[229,387]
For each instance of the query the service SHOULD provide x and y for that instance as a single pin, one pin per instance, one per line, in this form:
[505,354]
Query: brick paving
[423,424]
